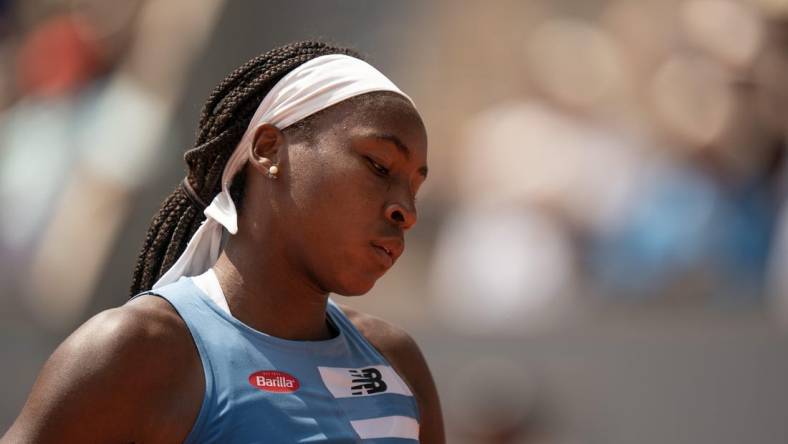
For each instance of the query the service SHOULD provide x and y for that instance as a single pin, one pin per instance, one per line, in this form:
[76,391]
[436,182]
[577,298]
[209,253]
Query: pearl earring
[273,171]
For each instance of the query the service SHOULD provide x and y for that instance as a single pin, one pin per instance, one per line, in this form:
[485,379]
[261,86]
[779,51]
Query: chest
[280,396]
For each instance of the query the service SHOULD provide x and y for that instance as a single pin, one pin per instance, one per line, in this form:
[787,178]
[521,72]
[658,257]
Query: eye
[379,169]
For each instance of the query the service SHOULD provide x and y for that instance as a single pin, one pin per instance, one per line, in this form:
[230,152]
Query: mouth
[384,254]
[388,250]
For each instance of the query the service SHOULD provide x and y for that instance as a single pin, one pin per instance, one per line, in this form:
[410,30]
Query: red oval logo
[274,381]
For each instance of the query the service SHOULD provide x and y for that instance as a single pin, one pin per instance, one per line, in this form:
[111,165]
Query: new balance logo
[369,380]
[366,381]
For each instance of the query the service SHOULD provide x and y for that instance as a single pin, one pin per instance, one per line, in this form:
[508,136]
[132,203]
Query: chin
[349,275]
[354,287]
[354,290]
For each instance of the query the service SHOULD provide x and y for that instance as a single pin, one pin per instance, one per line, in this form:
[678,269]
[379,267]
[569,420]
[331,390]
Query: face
[346,190]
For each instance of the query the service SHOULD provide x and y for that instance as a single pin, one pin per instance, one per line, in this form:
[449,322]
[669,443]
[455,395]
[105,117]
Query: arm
[405,356]
[109,382]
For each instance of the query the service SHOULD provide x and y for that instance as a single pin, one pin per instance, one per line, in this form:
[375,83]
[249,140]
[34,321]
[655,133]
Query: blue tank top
[263,389]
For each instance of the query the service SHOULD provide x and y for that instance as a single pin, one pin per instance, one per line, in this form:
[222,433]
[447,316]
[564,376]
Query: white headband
[309,88]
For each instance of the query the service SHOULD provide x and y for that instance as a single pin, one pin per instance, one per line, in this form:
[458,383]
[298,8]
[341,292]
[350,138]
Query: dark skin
[333,221]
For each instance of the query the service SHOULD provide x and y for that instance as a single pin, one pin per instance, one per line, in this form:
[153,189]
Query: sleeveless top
[264,389]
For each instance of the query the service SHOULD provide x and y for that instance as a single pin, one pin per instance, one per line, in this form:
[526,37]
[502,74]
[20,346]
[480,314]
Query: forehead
[380,113]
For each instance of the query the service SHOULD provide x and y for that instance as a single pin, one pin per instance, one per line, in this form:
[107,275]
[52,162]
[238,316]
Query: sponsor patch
[363,381]
[274,381]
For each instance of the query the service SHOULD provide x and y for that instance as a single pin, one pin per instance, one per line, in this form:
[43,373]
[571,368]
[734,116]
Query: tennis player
[302,183]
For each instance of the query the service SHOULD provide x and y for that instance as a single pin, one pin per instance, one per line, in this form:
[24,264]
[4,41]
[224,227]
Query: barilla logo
[274,381]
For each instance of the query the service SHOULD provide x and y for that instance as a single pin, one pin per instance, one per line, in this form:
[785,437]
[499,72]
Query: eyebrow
[401,147]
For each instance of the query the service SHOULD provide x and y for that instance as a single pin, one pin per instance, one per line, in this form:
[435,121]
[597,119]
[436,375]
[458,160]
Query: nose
[402,216]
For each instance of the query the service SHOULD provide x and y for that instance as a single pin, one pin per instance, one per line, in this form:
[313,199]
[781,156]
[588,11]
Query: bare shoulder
[392,341]
[111,379]
[147,321]
[138,333]
[404,354]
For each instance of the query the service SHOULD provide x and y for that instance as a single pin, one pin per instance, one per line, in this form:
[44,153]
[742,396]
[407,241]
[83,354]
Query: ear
[266,143]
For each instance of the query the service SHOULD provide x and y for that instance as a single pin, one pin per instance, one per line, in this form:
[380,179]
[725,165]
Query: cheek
[337,189]
[339,209]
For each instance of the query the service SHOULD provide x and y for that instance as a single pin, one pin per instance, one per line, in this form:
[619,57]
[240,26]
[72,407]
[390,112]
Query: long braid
[225,116]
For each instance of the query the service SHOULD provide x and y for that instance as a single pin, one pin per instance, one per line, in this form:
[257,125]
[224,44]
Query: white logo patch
[363,381]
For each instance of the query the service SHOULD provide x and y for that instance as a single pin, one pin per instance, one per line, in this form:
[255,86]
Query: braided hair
[225,117]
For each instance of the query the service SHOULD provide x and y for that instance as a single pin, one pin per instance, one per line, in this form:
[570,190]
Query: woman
[310,160]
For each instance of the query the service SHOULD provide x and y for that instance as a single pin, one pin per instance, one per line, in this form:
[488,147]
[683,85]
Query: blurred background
[601,244]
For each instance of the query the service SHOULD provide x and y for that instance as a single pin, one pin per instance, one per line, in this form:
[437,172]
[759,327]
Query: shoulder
[146,319]
[110,380]
[404,354]
[139,331]
[391,340]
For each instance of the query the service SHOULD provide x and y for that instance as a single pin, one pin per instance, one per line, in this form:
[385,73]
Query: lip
[384,255]
[388,249]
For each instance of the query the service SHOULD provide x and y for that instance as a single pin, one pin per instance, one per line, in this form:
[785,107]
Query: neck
[264,294]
